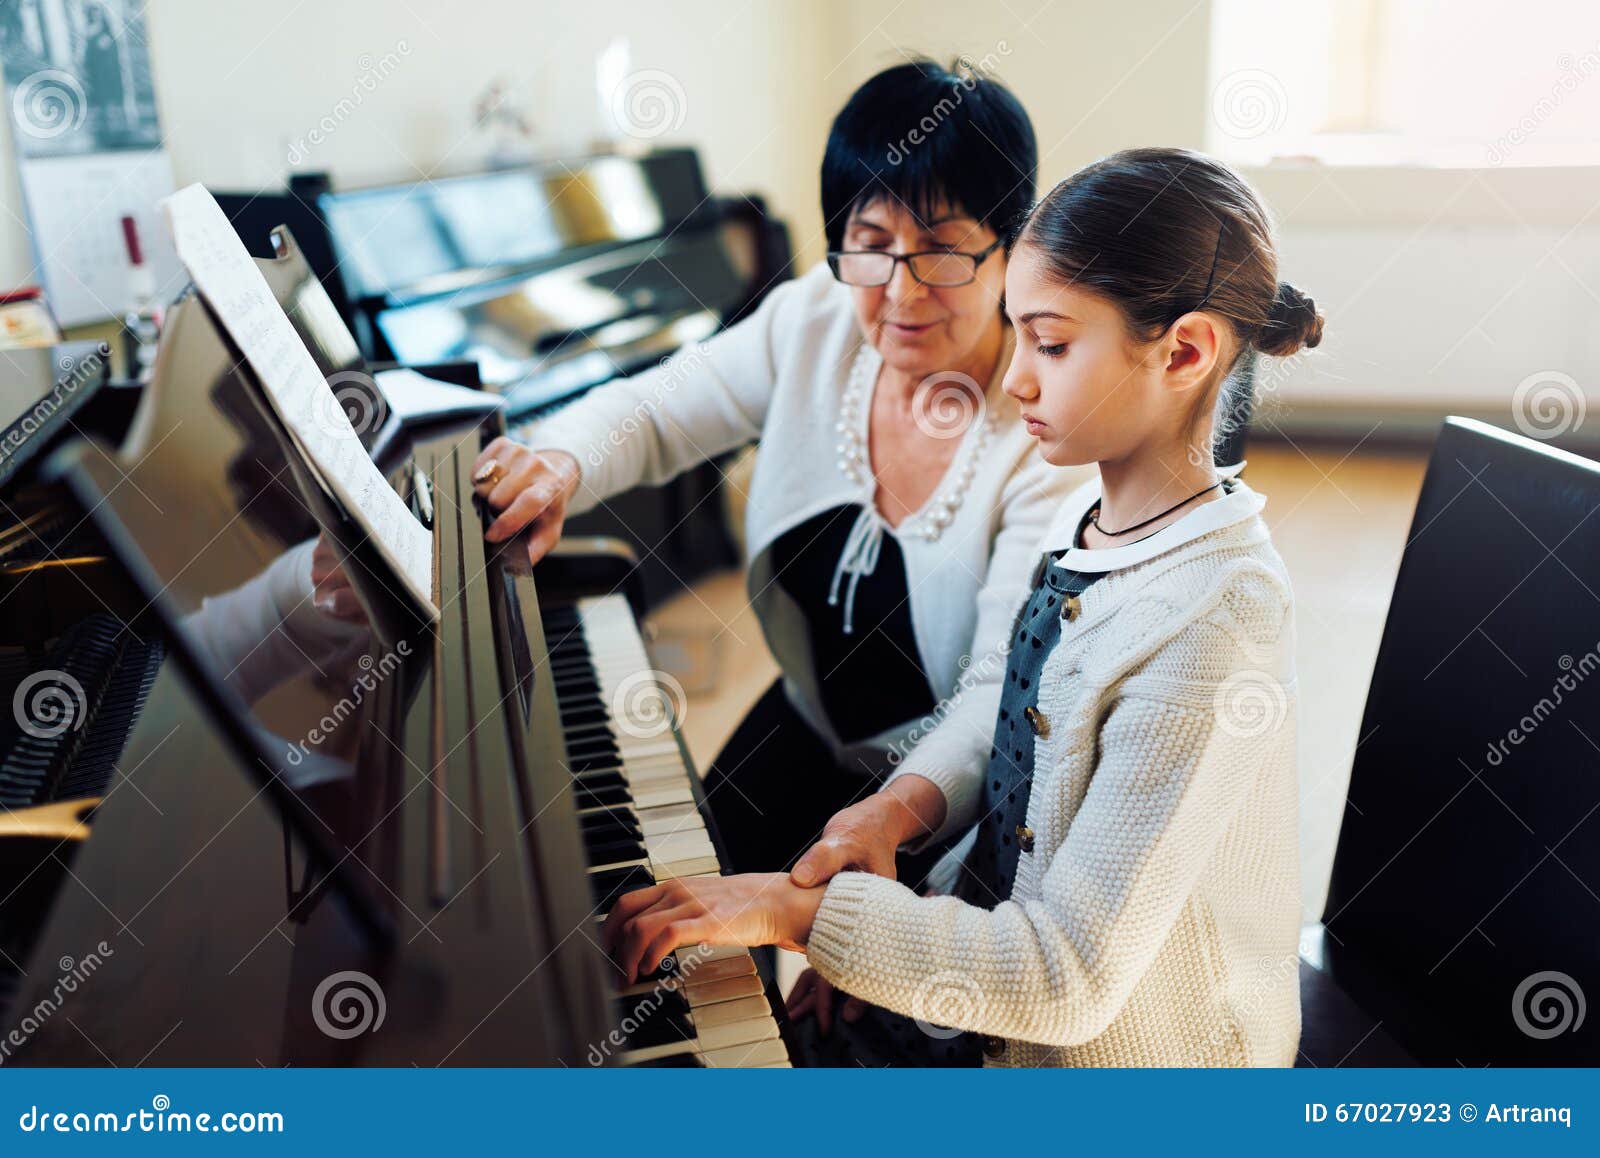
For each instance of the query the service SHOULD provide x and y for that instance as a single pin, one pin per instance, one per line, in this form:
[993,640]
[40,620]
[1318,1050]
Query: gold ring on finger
[489,473]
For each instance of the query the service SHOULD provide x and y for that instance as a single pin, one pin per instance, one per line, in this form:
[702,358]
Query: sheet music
[237,292]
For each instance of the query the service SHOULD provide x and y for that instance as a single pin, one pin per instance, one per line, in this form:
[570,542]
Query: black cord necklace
[1094,517]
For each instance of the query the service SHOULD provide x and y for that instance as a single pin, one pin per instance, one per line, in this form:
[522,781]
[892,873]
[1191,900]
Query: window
[1470,84]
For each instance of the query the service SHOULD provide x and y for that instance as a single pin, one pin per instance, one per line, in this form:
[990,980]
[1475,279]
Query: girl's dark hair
[1162,232]
[919,133]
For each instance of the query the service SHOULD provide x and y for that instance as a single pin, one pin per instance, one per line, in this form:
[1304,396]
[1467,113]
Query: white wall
[240,82]
[1442,287]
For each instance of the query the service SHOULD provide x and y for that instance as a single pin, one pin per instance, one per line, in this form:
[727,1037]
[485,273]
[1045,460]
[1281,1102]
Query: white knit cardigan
[1155,922]
[780,376]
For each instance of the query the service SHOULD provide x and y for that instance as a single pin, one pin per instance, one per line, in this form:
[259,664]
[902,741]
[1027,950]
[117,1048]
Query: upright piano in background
[552,278]
[240,831]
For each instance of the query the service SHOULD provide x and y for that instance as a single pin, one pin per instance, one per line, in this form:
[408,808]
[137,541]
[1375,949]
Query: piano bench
[1336,1032]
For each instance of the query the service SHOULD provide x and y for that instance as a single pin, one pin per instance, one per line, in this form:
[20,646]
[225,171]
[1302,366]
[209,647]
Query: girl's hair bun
[1292,324]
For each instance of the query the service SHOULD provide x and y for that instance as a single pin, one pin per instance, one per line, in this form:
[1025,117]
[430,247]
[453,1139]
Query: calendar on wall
[88,144]
[75,211]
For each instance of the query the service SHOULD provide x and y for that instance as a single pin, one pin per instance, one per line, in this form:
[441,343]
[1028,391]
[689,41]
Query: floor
[1339,516]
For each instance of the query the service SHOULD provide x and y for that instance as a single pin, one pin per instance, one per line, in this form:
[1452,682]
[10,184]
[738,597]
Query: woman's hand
[331,592]
[865,836]
[530,489]
[814,994]
[750,909]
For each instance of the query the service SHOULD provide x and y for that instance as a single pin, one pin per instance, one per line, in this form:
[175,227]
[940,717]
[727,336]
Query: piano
[552,278]
[239,830]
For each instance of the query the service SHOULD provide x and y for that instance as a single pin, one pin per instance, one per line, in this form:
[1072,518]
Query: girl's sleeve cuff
[832,944]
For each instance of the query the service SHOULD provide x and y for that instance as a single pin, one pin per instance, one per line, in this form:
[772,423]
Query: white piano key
[736,1033]
[762,1053]
[726,1012]
[694,867]
[669,847]
[702,972]
[654,797]
[725,990]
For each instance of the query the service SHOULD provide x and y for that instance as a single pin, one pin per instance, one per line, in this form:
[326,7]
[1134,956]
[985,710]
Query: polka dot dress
[991,866]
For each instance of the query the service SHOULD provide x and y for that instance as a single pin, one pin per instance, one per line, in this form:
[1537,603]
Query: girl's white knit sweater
[1156,920]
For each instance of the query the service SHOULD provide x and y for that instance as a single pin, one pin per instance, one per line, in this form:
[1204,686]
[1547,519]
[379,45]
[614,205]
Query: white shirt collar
[1237,505]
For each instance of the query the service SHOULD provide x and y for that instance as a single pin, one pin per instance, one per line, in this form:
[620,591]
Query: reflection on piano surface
[287,838]
[552,279]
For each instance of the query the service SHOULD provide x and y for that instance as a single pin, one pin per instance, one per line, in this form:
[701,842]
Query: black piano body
[243,831]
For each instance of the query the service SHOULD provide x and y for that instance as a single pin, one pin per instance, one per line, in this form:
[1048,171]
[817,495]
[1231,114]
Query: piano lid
[412,241]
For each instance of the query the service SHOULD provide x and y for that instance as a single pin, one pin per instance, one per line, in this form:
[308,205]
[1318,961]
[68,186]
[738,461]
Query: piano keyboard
[641,825]
[69,730]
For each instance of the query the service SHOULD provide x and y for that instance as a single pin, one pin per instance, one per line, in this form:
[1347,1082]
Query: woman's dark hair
[1162,232]
[920,133]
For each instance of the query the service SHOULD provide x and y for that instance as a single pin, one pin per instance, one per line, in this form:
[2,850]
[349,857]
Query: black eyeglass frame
[977,260]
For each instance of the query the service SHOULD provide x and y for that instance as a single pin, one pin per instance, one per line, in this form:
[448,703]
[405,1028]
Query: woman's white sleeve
[708,398]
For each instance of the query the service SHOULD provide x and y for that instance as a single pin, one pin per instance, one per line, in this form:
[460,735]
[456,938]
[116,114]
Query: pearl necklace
[929,522]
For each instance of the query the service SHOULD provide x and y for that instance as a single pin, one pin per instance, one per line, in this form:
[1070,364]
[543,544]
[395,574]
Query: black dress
[776,784]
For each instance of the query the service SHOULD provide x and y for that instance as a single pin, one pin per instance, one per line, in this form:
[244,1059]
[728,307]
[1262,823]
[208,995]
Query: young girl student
[1130,893]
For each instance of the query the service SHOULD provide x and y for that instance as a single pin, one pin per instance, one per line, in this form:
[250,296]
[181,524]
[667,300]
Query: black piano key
[591,719]
[570,667]
[611,797]
[590,745]
[607,886]
[601,822]
[601,782]
[598,762]
[657,1018]
[614,851]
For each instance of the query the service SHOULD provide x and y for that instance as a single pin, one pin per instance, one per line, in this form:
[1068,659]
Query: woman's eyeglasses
[941,268]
